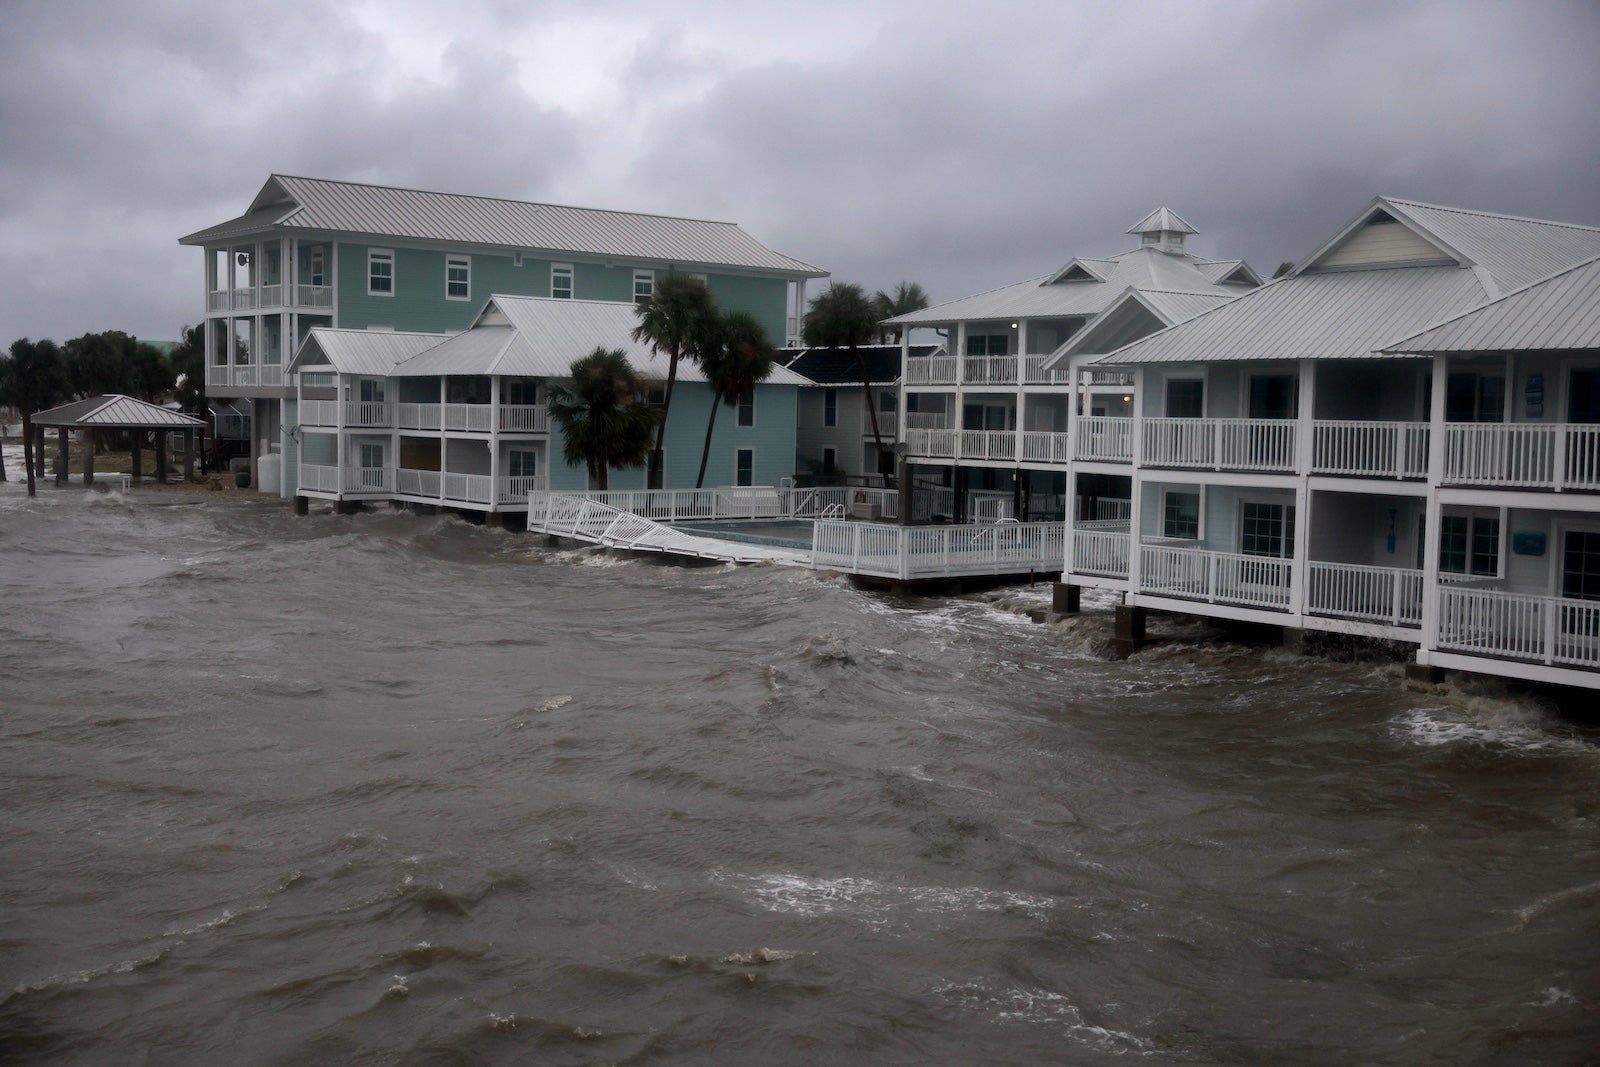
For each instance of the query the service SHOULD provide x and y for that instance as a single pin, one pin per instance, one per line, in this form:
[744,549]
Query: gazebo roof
[114,411]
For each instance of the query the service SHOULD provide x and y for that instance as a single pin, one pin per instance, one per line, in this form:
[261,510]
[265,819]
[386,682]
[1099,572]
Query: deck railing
[1105,437]
[1535,629]
[1100,552]
[927,420]
[417,416]
[314,296]
[524,418]
[989,370]
[217,300]
[1040,446]
[468,418]
[468,488]
[1220,444]
[888,426]
[1389,595]
[935,443]
[990,506]
[1110,377]
[363,413]
[271,296]
[1217,577]
[410,482]
[1381,449]
[989,444]
[249,374]
[319,478]
[1034,372]
[515,489]
[319,412]
[932,370]
[1540,455]
[931,551]
[243,299]
[368,480]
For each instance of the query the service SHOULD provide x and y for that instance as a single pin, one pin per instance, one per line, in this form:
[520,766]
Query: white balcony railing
[271,296]
[468,418]
[417,417]
[1105,437]
[1540,455]
[927,420]
[313,296]
[515,490]
[989,444]
[1100,552]
[1216,577]
[989,370]
[931,370]
[939,444]
[888,425]
[360,413]
[1378,449]
[319,413]
[1110,377]
[468,488]
[1369,594]
[927,551]
[1040,446]
[218,375]
[1220,444]
[368,480]
[1537,629]
[409,482]
[217,300]
[1034,372]
[319,478]
[524,418]
[243,299]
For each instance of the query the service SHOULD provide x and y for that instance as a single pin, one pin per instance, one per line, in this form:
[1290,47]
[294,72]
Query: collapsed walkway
[583,518]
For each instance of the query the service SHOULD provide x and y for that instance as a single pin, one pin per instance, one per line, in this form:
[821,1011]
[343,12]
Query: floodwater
[392,789]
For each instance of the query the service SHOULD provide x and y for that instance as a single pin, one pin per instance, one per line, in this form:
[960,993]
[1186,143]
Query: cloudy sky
[960,145]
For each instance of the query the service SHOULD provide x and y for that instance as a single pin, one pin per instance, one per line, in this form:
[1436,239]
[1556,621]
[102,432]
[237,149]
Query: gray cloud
[962,146]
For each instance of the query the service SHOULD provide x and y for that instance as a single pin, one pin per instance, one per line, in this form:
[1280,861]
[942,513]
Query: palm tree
[32,379]
[676,318]
[906,298]
[842,317]
[603,418]
[734,360]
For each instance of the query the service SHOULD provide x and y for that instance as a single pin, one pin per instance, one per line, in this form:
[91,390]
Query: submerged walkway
[584,518]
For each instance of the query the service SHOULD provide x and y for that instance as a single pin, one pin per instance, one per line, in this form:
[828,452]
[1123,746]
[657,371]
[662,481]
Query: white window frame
[452,261]
[317,267]
[830,419]
[382,255]
[511,452]
[649,278]
[1186,376]
[1280,502]
[739,410]
[752,452]
[563,270]
[361,455]
[1186,490]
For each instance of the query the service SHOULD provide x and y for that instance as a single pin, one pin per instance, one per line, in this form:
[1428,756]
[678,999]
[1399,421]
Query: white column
[1136,492]
[494,442]
[1430,535]
[444,442]
[1302,548]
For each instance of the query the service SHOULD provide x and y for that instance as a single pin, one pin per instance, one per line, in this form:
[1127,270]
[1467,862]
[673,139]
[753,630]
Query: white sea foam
[1550,997]
[1504,724]
[879,903]
[1039,1007]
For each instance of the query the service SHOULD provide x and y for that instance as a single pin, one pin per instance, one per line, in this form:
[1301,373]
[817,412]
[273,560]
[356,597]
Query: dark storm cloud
[963,146]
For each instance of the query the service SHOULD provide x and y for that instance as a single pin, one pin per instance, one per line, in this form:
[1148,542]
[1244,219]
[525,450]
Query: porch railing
[248,374]
[989,444]
[1554,631]
[1221,444]
[468,488]
[888,425]
[1389,595]
[362,413]
[409,482]
[989,370]
[319,478]
[524,418]
[417,416]
[1105,437]
[469,418]
[935,443]
[1381,449]
[1034,372]
[368,480]
[931,370]
[1045,447]
[515,489]
[927,420]
[1100,552]
[313,296]
[271,296]
[1217,577]
[319,412]
[930,551]
[1541,455]
[243,299]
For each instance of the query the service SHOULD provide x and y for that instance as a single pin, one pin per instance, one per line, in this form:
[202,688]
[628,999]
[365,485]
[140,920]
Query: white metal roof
[374,352]
[1162,218]
[1140,268]
[1342,315]
[1126,318]
[388,211]
[114,409]
[1558,312]
[540,337]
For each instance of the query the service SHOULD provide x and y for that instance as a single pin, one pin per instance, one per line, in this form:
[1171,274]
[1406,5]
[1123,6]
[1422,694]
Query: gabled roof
[374,352]
[540,337]
[1136,313]
[835,366]
[1561,312]
[1082,270]
[391,211]
[1051,296]
[1161,219]
[115,410]
[1229,271]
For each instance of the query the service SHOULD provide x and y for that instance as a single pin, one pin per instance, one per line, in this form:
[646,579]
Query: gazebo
[114,412]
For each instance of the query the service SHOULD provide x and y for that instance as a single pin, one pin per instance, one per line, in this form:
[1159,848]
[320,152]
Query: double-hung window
[987,344]
[744,466]
[1180,514]
[747,408]
[1469,544]
[561,281]
[457,278]
[830,407]
[644,285]
[380,272]
[523,463]
[316,267]
[1266,529]
[371,457]
[1186,398]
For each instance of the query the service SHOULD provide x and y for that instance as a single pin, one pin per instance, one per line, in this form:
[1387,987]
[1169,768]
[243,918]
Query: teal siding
[772,437]
[765,298]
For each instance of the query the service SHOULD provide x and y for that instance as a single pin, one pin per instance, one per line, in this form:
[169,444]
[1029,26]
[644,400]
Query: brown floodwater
[386,788]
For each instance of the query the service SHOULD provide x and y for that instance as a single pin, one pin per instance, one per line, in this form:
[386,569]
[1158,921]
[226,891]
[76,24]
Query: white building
[1323,453]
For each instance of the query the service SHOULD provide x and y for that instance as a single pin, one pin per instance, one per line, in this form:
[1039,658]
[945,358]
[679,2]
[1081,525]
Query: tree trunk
[657,459]
[27,449]
[2,453]
[705,452]
[872,408]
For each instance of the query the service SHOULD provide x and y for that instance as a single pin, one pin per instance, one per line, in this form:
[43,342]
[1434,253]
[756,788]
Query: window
[744,466]
[830,460]
[1472,397]
[1186,398]
[521,392]
[316,267]
[747,408]
[830,407]
[987,344]
[1180,515]
[1469,544]
[371,390]
[656,396]
[523,463]
[371,456]
[380,272]
[702,279]
[1271,396]
[1580,564]
[644,285]
[561,281]
[1266,529]
[457,278]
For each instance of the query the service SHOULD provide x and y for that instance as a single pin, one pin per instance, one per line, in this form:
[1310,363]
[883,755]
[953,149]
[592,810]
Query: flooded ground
[383,788]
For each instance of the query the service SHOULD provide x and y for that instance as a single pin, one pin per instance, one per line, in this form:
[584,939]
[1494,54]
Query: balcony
[1108,438]
[272,295]
[1522,454]
[1102,552]
[1266,445]
[908,552]
[937,444]
[1040,446]
[358,414]
[1554,631]
[932,370]
[252,374]
[1035,373]
[1388,595]
[989,444]
[888,424]
[1370,449]
[989,370]
[1216,577]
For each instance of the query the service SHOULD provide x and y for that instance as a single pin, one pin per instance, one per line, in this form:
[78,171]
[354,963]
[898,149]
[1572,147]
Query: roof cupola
[1163,228]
